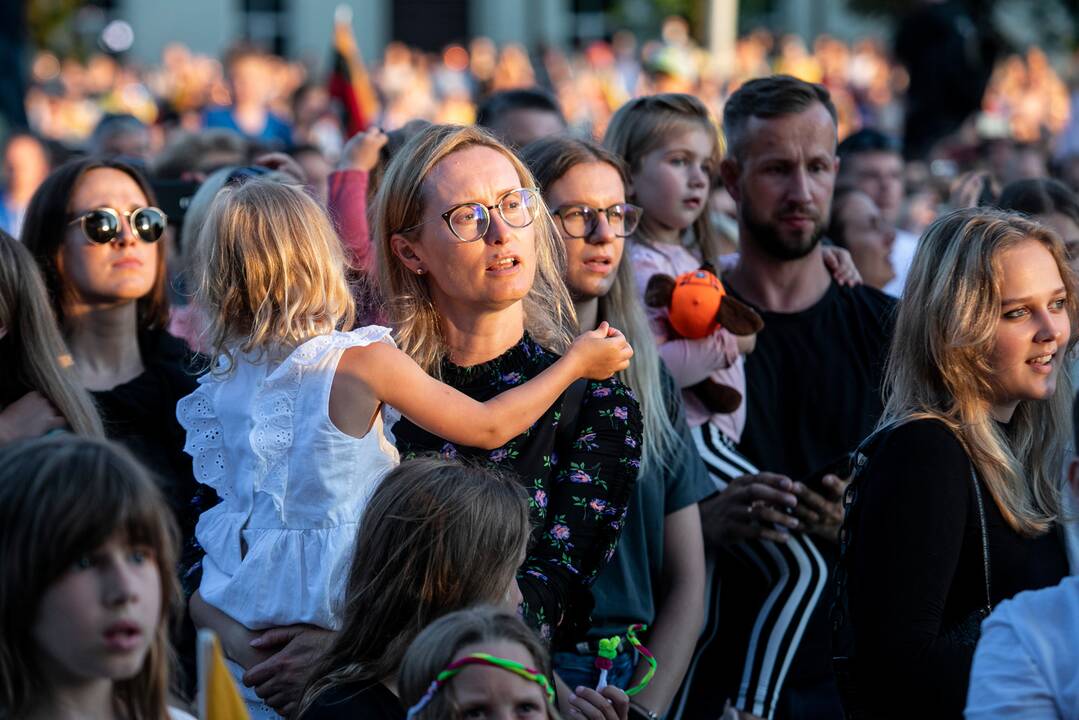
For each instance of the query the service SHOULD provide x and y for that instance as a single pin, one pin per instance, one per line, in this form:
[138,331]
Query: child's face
[490,693]
[672,181]
[98,619]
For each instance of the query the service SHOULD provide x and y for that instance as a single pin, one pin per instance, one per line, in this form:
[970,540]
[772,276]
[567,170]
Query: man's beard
[768,237]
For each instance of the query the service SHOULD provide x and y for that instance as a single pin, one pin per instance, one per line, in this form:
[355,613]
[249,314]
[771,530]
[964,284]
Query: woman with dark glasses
[95,232]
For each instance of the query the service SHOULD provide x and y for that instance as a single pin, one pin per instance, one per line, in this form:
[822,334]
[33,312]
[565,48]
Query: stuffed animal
[697,304]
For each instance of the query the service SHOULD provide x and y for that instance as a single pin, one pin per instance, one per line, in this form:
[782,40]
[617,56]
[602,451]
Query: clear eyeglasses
[471,221]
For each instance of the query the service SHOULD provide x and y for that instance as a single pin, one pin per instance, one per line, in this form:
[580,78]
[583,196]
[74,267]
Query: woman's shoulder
[919,453]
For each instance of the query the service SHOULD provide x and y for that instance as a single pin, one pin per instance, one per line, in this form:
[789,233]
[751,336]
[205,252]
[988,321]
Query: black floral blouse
[579,482]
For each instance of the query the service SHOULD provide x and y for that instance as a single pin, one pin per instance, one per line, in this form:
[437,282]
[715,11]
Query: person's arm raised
[394,378]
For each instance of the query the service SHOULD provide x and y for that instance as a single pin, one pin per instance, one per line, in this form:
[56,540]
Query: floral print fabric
[579,478]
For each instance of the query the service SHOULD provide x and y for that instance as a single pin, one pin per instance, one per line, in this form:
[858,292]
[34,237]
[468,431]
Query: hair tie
[480,659]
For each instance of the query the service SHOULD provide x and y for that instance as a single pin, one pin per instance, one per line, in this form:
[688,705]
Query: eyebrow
[1015,301]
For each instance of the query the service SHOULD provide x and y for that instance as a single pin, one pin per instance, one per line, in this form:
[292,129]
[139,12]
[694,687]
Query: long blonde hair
[269,270]
[32,352]
[549,159]
[646,123]
[399,203]
[939,363]
[61,497]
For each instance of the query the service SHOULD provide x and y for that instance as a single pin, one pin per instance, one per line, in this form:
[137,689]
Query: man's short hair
[868,140]
[524,99]
[767,98]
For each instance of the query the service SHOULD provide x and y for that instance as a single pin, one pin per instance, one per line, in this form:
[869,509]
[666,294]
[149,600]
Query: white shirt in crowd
[903,249]
[1027,661]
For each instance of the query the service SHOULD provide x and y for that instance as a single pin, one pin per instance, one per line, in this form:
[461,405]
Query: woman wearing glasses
[94,229]
[657,575]
[470,265]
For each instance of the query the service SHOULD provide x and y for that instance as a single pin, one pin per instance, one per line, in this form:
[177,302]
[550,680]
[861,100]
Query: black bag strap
[985,537]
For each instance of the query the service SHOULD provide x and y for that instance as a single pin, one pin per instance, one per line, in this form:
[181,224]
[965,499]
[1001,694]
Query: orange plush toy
[697,304]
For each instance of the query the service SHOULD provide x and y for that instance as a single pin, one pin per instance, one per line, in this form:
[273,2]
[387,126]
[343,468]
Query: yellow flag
[219,699]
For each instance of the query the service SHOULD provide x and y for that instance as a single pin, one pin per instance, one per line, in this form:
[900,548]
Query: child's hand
[841,265]
[600,353]
[30,416]
[607,704]
[361,151]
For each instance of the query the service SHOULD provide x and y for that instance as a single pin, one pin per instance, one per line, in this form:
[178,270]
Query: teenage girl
[39,392]
[287,427]
[486,663]
[86,583]
[671,145]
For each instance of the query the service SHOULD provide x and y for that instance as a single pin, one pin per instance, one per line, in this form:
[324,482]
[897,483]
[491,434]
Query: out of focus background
[990,85]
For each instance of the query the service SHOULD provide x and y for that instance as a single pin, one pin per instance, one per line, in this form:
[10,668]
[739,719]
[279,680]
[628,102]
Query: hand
[610,703]
[283,163]
[822,515]
[967,189]
[28,417]
[840,263]
[280,680]
[751,507]
[361,150]
[600,353]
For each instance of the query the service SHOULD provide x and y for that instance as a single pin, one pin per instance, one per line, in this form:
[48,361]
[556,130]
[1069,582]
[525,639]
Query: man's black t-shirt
[813,392]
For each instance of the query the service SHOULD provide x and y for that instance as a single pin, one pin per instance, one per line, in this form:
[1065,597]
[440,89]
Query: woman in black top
[470,265]
[94,230]
[976,391]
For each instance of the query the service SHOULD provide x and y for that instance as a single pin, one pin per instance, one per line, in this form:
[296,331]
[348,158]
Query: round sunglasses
[103,225]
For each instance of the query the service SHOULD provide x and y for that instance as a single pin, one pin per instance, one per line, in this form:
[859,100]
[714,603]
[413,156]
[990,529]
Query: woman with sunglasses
[94,231]
[657,575]
[470,264]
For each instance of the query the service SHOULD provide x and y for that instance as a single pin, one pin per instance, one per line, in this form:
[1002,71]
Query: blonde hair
[550,159]
[400,203]
[645,124]
[434,648]
[270,271]
[61,497]
[32,352]
[939,364]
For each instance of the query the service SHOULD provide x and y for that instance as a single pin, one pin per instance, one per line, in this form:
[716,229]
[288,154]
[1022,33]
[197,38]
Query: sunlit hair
[400,203]
[269,270]
[549,160]
[32,352]
[648,123]
[46,226]
[203,200]
[62,497]
[435,647]
[939,366]
[437,536]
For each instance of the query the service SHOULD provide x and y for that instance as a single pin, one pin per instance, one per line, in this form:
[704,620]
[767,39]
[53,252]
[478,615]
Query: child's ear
[405,250]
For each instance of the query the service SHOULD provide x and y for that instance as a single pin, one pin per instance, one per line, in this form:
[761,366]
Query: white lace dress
[292,486]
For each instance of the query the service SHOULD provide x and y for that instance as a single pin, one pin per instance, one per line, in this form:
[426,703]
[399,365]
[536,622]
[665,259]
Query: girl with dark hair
[86,583]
